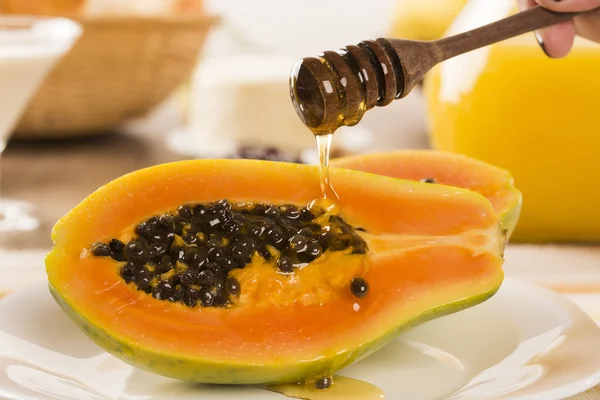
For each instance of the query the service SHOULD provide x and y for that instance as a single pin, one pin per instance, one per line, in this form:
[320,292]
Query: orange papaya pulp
[432,250]
[447,168]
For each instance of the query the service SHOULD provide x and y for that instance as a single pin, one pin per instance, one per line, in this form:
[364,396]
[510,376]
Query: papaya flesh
[447,168]
[424,251]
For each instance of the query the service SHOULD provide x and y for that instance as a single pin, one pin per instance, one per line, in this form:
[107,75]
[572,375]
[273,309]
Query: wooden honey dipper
[338,87]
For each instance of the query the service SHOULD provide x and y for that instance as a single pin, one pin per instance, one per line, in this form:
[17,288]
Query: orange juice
[510,105]
[423,19]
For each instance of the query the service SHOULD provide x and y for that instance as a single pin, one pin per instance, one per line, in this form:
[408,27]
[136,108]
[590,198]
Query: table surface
[56,175]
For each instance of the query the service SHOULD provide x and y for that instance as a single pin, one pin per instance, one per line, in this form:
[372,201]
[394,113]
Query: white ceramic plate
[524,343]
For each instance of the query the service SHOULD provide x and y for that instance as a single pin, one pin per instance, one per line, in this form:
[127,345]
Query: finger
[557,40]
[587,26]
[526,4]
[569,5]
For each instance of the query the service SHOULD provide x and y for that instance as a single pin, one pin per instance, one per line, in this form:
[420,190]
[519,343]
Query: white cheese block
[244,100]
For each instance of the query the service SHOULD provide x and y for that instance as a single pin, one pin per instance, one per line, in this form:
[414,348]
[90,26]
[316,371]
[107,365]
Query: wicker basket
[120,68]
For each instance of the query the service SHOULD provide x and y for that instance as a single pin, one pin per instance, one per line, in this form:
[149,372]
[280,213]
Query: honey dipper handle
[523,22]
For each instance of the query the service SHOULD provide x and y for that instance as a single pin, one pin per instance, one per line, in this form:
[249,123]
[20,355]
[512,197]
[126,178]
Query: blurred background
[150,81]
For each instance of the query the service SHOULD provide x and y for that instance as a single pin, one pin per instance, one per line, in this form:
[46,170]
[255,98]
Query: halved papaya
[453,169]
[217,270]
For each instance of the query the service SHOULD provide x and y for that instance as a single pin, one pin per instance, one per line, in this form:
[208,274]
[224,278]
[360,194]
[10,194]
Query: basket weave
[120,68]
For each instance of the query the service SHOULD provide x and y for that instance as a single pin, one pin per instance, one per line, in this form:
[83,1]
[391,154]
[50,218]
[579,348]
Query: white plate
[524,343]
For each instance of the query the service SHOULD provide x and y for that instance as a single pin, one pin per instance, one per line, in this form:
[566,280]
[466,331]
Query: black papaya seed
[206,277]
[272,212]
[100,249]
[216,254]
[185,211]
[288,229]
[227,263]
[143,282]
[220,285]
[241,252]
[214,267]
[187,279]
[285,264]
[323,383]
[193,228]
[298,243]
[314,249]
[264,253]
[259,210]
[213,244]
[169,238]
[157,293]
[359,246]
[275,235]
[175,296]
[220,300]
[153,221]
[116,246]
[291,212]
[178,224]
[308,232]
[255,230]
[341,242]
[135,251]
[232,226]
[143,229]
[128,272]
[177,254]
[190,298]
[223,204]
[199,210]
[191,239]
[207,298]
[156,250]
[226,215]
[306,215]
[359,287]
[166,221]
[340,223]
[212,223]
[327,236]
[200,257]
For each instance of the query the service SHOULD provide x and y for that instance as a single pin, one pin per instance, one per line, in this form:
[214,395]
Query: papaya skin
[439,246]
[454,169]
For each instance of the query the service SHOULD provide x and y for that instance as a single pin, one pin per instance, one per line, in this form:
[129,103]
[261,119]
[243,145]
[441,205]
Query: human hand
[557,40]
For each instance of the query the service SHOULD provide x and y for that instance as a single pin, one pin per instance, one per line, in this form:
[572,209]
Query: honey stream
[324,148]
[329,199]
[342,388]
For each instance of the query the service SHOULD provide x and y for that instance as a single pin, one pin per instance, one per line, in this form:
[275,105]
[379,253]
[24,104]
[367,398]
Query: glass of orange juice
[423,19]
[511,105]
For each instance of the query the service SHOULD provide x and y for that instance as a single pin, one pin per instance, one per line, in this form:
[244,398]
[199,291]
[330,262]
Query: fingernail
[540,41]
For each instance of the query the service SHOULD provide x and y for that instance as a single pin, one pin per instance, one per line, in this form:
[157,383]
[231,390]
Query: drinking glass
[29,48]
